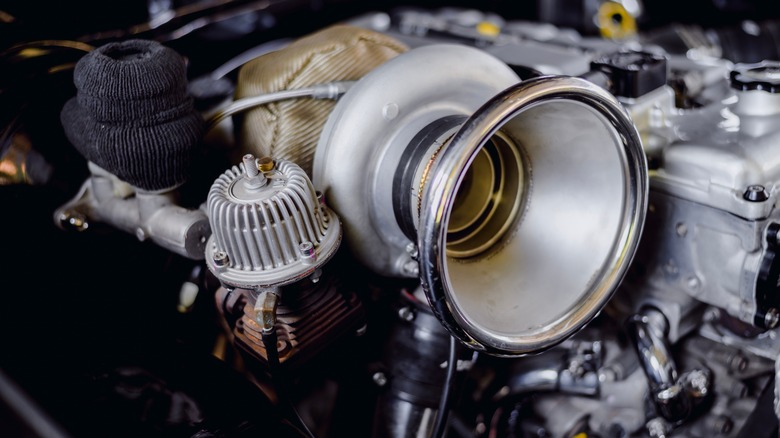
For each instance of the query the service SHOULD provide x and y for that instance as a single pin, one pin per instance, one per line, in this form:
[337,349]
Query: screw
[406,314]
[254,180]
[140,234]
[411,268]
[681,229]
[250,166]
[379,378]
[756,193]
[221,259]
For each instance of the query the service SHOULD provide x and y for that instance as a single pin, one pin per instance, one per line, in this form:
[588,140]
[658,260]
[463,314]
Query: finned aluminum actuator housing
[270,227]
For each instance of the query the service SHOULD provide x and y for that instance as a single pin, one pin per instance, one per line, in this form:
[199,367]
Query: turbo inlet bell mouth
[518,204]
[570,216]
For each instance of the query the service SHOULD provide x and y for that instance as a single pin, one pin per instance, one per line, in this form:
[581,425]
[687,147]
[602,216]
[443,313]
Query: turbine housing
[519,205]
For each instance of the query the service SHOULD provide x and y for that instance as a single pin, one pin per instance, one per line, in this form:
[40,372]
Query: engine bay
[410,222]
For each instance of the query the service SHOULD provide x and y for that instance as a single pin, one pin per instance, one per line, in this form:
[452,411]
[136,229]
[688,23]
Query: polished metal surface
[153,216]
[489,200]
[654,355]
[582,212]
[366,134]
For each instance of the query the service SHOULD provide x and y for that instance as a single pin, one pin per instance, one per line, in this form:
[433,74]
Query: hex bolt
[412,250]
[756,193]
[411,268]
[406,314]
[265,164]
[221,259]
[772,318]
[698,383]
[307,249]
[658,428]
[379,378]
[308,253]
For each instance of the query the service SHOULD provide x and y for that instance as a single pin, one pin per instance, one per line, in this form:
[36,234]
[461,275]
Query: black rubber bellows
[132,115]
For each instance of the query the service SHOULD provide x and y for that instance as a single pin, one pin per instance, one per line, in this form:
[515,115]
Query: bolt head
[306,248]
[699,382]
[772,318]
[379,378]
[411,249]
[406,314]
[658,427]
[411,268]
[756,193]
[221,259]
[265,164]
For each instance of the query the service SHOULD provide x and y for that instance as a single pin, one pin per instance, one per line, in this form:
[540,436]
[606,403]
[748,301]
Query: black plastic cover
[632,74]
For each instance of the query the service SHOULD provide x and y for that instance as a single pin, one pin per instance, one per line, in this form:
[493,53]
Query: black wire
[440,426]
[274,368]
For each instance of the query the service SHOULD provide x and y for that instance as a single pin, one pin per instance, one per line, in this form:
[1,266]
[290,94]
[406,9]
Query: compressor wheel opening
[488,199]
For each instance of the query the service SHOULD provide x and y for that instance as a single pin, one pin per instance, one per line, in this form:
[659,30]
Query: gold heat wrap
[290,129]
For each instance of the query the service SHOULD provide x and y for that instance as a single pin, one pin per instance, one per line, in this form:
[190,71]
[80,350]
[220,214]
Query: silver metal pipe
[647,330]
[330,90]
[148,215]
[647,333]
